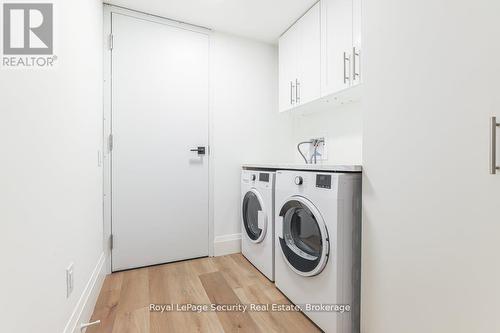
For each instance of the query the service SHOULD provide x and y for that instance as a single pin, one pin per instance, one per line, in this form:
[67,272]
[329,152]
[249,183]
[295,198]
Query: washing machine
[318,246]
[257,219]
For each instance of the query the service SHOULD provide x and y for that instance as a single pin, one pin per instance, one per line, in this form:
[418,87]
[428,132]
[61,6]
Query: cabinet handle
[346,59]
[354,55]
[292,101]
[297,91]
[493,145]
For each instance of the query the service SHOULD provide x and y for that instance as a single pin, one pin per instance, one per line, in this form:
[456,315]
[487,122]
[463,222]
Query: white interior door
[159,113]
[431,223]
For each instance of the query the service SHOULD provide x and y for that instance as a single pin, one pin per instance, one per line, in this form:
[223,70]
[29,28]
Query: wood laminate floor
[124,302]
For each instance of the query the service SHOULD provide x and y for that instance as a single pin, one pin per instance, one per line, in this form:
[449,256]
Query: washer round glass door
[254,218]
[304,242]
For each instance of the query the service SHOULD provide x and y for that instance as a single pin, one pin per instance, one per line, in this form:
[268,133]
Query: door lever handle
[199,150]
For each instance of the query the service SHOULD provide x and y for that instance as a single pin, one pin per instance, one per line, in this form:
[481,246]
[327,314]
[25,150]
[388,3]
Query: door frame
[107,124]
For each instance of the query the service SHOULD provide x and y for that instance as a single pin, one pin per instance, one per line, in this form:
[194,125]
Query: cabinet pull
[493,145]
[346,59]
[292,101]
[297,91]
[354,55]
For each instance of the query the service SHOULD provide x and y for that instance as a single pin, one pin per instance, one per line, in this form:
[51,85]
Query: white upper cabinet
[320,55]
[340,45]
[300,61]
[356,42]
[309,59]
[288,69]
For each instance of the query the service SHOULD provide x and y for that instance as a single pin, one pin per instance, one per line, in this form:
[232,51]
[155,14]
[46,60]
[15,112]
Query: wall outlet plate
[69,280]
[321,151]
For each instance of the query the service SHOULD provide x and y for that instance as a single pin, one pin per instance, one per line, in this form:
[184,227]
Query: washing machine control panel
[324,181]
[264,177]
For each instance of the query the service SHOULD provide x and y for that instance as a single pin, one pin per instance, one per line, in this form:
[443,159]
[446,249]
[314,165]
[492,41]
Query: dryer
[257,219]
[318,245]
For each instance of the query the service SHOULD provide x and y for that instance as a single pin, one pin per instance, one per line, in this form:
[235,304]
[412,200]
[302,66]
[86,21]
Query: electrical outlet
[69,280]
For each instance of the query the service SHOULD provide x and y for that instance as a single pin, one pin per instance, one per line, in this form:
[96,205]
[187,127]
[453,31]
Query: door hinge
[111,242]
[110,142]
[111,42]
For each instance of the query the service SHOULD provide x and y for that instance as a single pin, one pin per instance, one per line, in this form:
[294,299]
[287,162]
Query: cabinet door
[287,69]
[357,76]
[309,56]
[336,23]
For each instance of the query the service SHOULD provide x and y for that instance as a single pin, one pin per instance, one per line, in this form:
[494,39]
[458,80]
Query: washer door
[304,242]
[254,217]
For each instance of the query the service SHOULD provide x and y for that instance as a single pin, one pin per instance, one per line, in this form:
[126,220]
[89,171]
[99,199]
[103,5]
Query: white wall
[50,184]
[342,127]
[246,126]
[431,228]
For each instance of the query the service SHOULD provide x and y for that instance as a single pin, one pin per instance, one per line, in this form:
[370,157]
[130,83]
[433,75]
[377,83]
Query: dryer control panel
[264,177]
[324,181]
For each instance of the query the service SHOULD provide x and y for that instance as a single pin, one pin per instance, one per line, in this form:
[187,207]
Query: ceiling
[263,20]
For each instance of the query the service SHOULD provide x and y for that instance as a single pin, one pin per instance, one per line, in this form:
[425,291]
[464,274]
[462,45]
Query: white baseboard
[227,244]
[85,305]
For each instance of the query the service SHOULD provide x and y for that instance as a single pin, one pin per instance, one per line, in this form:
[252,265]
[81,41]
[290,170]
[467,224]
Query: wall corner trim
[227,244]
[85,305]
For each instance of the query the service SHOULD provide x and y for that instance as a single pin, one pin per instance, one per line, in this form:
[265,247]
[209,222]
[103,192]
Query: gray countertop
[305,167]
